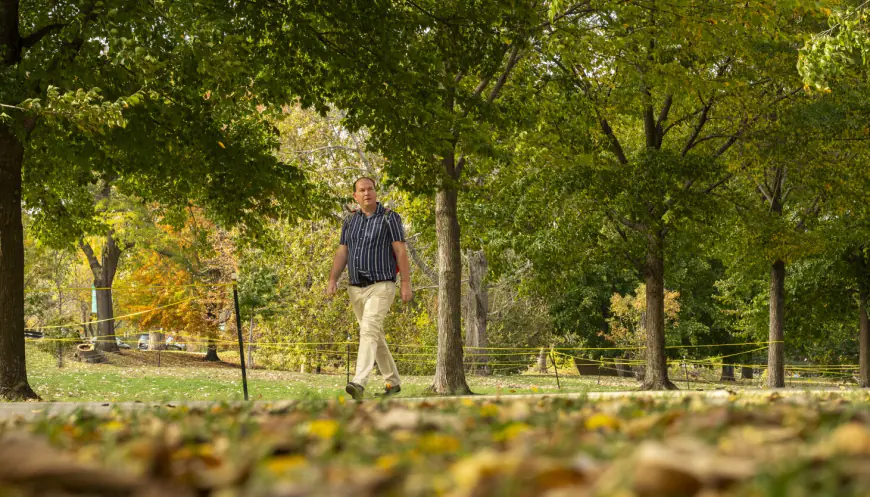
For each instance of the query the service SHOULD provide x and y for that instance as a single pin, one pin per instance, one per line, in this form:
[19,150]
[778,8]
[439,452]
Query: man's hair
[375,185]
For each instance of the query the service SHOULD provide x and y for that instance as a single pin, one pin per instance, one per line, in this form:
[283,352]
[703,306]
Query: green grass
[135,376]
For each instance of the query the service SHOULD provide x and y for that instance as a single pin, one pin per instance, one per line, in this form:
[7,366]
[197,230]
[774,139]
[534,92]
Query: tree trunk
[542,361]
[656,374]
[862,274]
[156,340]
[449,373]
[211,351]
[746,372]
[13,368]
[863,343]
[727,373]
[478,307]
[104,275]
[776,349]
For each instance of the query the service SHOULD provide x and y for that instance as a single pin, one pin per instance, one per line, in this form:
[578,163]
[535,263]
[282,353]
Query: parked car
[173,344]
[33,334]
[144,340]
[121,344]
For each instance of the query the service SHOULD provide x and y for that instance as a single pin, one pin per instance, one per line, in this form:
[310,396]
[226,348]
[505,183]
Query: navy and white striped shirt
[369,241]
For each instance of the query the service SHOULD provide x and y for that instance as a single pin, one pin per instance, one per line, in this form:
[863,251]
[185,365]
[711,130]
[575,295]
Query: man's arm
[404,269]
[338,264]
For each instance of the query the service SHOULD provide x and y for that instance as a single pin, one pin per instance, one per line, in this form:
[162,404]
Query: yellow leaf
[283,464]
[601,420]
[510,432]
[113,426]
[324,429]
[435,443]
[387,462]
[489,411]
[222,145]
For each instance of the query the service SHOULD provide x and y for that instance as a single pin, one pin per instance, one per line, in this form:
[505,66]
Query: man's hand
[331,288]
[407,294]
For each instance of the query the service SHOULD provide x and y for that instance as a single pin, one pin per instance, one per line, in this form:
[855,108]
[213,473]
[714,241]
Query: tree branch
[763,191]
[511,62]
[34,38]
[812,211]
[93,262]
[663,116]
[614,142]
[702,120]
[418,260]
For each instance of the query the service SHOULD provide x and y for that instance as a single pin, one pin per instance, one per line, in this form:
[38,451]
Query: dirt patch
[175,359]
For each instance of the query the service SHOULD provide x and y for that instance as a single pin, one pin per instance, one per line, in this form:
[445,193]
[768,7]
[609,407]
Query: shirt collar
[379,210]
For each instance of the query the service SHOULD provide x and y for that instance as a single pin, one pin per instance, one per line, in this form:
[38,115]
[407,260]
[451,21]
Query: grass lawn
[135,375]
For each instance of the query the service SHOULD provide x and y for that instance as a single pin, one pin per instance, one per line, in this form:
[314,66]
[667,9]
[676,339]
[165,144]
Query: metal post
[239,330]
[686,369]
[158,356]
[251,341]
[347,360]
[556,369]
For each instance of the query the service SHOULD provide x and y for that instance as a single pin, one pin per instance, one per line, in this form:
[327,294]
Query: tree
[664,93]
[837,60]
[172,75]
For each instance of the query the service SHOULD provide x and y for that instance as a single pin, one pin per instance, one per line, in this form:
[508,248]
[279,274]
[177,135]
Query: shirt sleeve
[343,239]
[394,226]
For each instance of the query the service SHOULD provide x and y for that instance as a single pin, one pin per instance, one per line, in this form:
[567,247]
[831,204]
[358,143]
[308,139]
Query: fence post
[59,354]
[686,369]
[555,369]
[347,360]
[251,341]
[239,332]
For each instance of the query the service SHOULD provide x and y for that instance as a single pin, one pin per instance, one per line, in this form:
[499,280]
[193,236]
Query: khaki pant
[370,304]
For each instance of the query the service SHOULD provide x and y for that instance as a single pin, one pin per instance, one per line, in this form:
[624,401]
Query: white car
[171,344]
[121,344]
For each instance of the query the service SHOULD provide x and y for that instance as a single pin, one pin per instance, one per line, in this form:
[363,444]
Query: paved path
[30,410]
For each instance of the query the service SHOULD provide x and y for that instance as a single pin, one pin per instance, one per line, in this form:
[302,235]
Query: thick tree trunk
[542,361]
[776,347]
[104,275]
[862,274]
[449,372]
[746,372]
[106,317]
[863,344]
[211,352]
[156,341]
[478,307]
[656,374]
[13,368]
[727,373]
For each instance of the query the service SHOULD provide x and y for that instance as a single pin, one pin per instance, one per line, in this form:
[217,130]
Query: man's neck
[368,213]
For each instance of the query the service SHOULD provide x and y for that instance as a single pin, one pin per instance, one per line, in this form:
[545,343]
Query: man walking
[372,246]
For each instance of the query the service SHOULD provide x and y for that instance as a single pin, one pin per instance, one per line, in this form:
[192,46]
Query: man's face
[365,194]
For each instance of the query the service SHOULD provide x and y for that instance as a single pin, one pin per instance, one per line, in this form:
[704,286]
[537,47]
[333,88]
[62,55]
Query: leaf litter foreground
[746,444]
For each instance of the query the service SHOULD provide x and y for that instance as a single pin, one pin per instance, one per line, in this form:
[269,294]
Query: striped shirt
[369,242]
